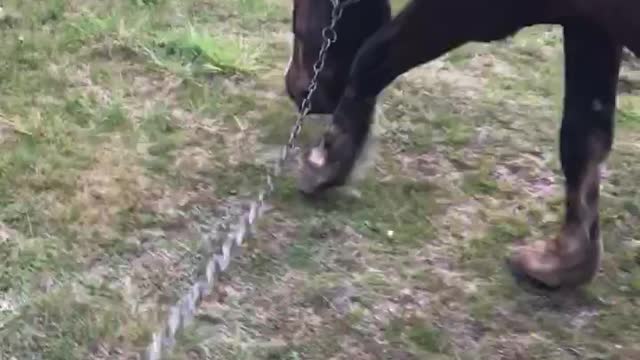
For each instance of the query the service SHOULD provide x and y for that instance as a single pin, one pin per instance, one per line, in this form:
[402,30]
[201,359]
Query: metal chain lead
[182,313]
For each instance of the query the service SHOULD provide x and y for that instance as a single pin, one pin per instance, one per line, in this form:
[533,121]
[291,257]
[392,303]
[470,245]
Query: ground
[133,129]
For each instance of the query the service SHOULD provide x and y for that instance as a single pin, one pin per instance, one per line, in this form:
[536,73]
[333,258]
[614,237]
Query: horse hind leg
[592,63]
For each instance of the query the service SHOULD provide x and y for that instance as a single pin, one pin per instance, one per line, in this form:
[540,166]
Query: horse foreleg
[592,63]
[423,31]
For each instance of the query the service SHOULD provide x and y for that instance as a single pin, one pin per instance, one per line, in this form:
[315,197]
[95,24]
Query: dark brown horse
[373,49]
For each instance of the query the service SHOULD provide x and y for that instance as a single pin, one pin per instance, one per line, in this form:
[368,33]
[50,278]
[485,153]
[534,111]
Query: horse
[373,48]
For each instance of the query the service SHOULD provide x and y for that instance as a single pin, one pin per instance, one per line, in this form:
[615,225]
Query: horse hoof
[315,180]
[328,165]
[527,282]
[313,187]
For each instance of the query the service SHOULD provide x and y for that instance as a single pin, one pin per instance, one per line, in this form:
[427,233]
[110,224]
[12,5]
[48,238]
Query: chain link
[182,313]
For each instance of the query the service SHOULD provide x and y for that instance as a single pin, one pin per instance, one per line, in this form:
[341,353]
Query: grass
[194,52]
[130,130]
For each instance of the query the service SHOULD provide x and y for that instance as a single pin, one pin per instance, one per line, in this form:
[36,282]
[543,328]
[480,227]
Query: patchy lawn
[132,130]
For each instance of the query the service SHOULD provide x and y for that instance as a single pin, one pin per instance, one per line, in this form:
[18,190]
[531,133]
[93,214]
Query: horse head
[359,21]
